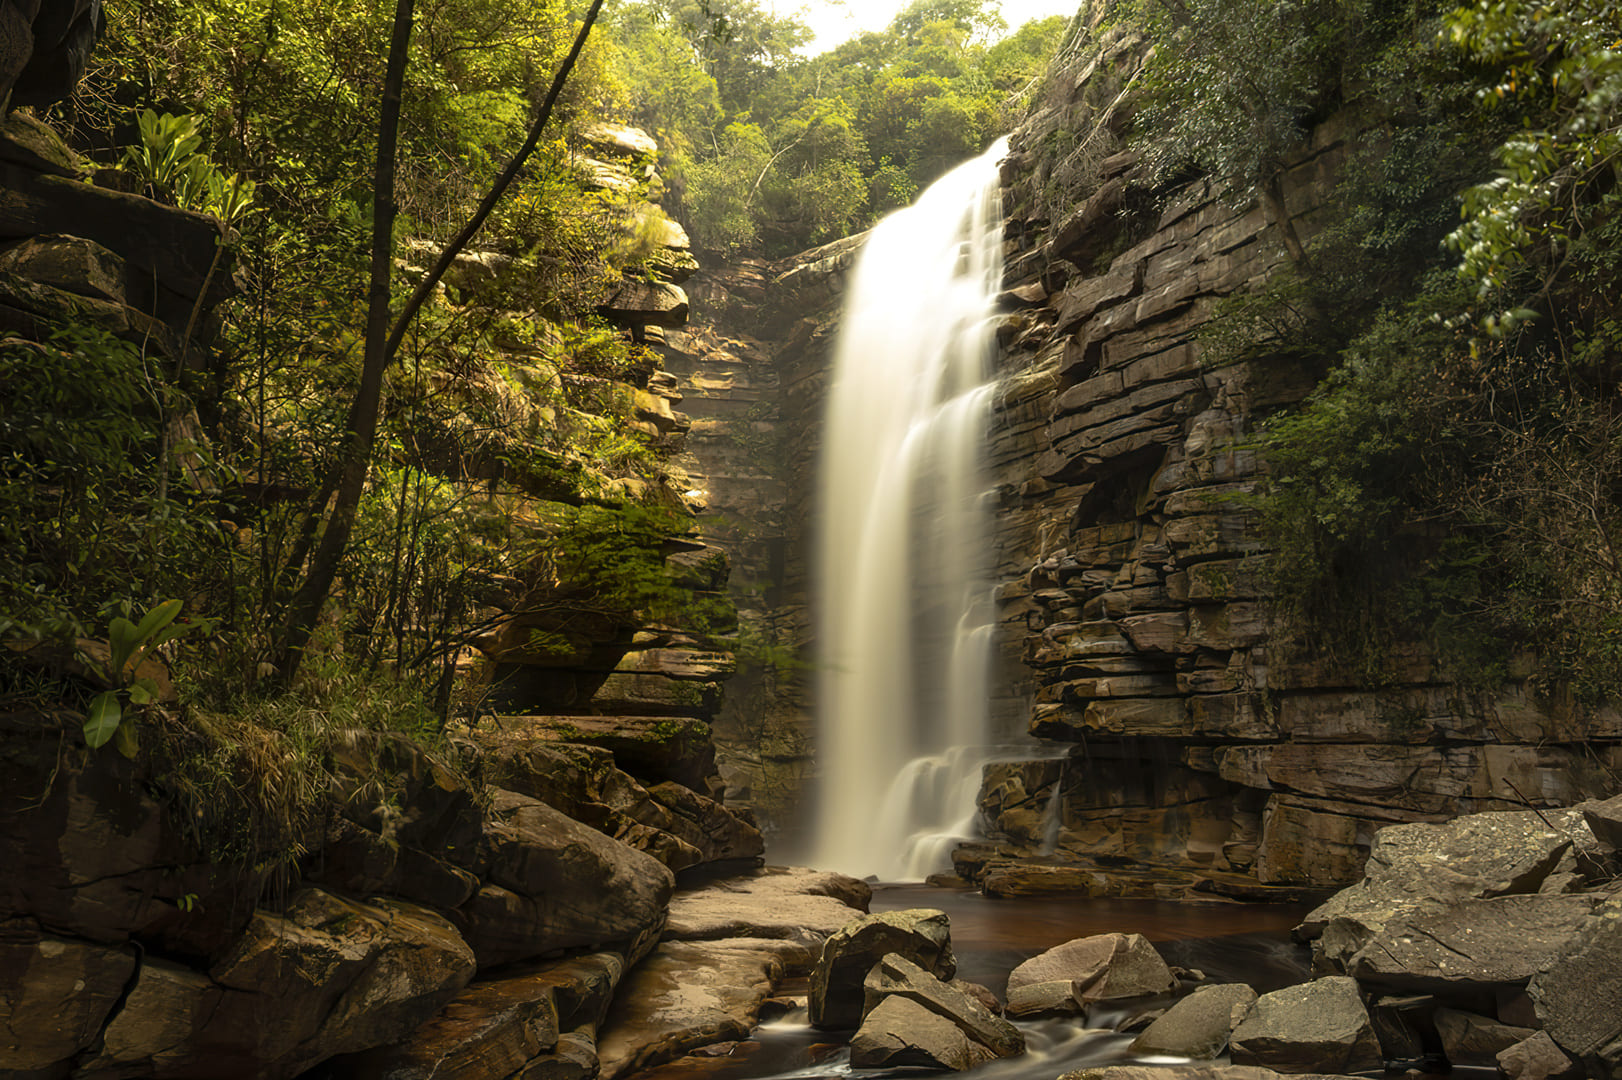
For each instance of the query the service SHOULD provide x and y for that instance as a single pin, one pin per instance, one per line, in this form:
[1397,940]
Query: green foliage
[169,162]
[93,513]
[128,644]
[769,151]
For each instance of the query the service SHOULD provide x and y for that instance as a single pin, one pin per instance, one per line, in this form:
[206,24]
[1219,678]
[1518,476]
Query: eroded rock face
[921,935]
[58,994]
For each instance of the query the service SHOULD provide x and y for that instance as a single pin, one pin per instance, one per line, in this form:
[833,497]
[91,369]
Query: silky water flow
[903,600]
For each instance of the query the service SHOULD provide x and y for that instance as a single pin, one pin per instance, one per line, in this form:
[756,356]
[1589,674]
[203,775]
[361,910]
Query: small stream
[1228,942]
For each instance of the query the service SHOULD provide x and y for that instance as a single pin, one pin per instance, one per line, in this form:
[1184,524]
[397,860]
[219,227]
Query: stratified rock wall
[1211,740]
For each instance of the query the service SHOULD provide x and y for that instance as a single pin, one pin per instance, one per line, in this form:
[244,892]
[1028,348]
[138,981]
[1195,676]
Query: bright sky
[835,20]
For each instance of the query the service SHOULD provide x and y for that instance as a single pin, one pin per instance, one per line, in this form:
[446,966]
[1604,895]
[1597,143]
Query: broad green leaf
[157,619]
[127,743]
[143,692]
[103,719]
[123,637]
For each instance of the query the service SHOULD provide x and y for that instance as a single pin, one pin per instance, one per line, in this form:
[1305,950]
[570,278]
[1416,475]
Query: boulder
[1537,1058]
[160,243]
[896,976]
[328,976]
[1317,1027]
[1199,1025]
[557,884]
[714,831]
[1104,967]
[668,821]
[1479,856]
[646,303]
[921,935]
[1471,945]
[619,140]
[901,1032]
[652,749]
[1576,994]
[805,907]
[685,995]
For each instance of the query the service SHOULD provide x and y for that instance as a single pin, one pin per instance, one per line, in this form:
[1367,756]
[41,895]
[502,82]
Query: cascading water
[904,620]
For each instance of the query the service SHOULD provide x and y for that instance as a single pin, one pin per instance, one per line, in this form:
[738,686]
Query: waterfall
[903,598]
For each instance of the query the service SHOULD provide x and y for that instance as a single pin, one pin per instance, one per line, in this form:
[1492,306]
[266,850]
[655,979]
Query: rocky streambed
[1490,942]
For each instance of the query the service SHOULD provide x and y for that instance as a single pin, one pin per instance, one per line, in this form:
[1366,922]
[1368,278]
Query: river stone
[1537,1058]
[805,907]
[901,1032]
[688,994]
[1198,1026]
[557,884]
[896,976]
[1474,944]
[1577,996]
[1316,1027]
[1471,1039]
[1475,857]
[922,935]
[1104,967]
[1056,997]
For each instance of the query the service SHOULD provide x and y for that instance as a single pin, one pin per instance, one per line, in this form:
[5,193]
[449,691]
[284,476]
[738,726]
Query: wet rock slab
[689,994]
[798,907]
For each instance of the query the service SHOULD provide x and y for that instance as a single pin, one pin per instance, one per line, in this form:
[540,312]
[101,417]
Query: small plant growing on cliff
[129,643]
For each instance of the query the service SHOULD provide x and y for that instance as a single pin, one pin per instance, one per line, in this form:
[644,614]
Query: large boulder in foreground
[1470,946]
[1199,1025]
[901,1032]
[1477,857]
[922,935]
[1104,967]
[1317,1027]
[557,884]
[896,976]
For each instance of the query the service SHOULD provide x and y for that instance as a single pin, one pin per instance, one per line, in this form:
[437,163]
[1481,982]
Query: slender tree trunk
[360,432]
[382,339]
